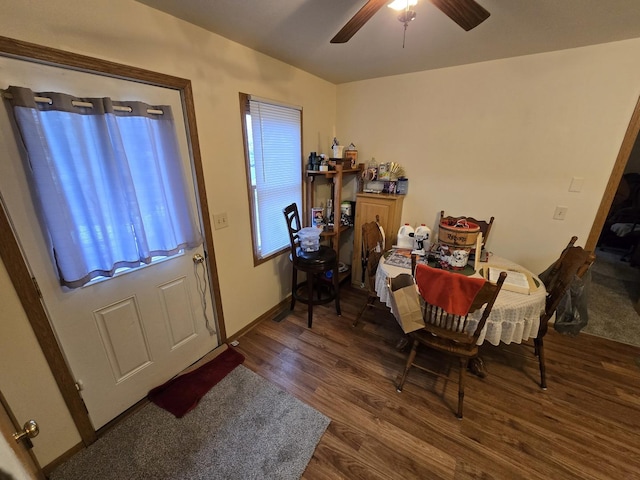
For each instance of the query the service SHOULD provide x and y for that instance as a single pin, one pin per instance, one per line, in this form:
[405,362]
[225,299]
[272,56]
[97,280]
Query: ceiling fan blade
[358,20]
[466,13]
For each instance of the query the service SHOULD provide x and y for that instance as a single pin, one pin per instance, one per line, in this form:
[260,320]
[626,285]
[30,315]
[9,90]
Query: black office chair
[314,264]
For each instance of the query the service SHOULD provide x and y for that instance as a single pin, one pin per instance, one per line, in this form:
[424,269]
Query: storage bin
[309,239]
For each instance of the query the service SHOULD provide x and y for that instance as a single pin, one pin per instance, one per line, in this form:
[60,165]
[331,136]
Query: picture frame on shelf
[352,158]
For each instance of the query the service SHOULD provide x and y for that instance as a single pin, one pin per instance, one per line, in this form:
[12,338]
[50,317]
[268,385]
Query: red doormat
[180,395]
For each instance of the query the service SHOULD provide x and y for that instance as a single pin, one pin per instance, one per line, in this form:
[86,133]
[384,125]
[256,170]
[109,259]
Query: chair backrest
[293,227]
[485,226]
[573,262]
[449,326]
[372,250]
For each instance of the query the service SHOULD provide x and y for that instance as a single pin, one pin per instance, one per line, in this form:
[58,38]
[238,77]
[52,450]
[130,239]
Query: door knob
[197,258]
[29,430]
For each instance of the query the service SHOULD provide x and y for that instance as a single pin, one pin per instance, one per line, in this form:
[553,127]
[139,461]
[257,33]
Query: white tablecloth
[514,317]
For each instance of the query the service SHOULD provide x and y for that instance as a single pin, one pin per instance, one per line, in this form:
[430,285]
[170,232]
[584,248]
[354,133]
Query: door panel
[121,332]
[125,335]
[174,297]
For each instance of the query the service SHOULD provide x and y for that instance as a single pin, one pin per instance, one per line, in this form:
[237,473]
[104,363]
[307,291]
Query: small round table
[515,316]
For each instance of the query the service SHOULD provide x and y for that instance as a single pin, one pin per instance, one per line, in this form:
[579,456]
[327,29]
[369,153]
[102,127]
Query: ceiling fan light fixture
[406,16]
[402,4]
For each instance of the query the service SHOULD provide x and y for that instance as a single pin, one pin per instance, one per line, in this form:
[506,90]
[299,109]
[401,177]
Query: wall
[502,138]
[130,33]
[499,138]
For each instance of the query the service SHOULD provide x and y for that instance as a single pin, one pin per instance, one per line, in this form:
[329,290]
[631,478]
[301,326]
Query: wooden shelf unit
[335,179]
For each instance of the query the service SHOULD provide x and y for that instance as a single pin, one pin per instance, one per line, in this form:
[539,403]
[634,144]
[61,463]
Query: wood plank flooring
[585,426]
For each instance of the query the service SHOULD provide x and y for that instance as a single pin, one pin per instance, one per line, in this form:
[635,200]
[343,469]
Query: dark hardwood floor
[585,426]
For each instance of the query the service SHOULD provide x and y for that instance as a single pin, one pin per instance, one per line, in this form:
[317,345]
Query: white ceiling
[298,32]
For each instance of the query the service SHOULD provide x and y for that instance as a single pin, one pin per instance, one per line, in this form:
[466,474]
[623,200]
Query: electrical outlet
[220,220]
[560,213]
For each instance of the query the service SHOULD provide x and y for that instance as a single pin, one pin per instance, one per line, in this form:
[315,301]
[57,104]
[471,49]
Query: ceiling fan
[466,13]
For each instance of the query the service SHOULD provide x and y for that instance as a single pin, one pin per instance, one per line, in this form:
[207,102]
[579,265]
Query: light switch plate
[220,220]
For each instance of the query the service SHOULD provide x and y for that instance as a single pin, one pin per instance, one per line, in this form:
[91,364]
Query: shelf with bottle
[344,274]
[335,233]
[337,168]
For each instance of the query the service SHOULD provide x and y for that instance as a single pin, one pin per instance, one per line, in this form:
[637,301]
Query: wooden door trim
[10,251]
[624,153]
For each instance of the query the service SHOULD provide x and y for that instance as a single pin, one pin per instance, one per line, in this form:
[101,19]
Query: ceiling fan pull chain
[404,33]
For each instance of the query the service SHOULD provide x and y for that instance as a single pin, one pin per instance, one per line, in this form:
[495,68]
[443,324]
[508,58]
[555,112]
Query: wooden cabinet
[336,180]
[369,206]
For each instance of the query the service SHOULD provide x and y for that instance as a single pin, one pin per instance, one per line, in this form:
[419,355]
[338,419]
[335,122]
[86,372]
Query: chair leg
[336,286]
[310,299]
[464,363]
[410,359]
[368,303]
[539,346]
[294,283]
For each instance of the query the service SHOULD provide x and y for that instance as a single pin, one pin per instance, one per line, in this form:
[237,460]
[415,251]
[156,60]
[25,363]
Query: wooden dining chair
[314,264]
[485,226]
[448,329]
[371,252]
[573,263]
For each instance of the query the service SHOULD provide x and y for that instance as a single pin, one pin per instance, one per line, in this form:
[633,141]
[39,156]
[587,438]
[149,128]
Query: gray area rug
[243,428]
[615,288]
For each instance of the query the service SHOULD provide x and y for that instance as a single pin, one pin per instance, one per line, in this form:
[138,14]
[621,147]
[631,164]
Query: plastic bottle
[405,236]
[329,215]
[422,235]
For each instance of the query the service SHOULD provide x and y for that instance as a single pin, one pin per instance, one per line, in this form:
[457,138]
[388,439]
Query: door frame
[11,254]
[624,153]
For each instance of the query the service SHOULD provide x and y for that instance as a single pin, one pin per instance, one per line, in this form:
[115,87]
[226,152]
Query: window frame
[258,258]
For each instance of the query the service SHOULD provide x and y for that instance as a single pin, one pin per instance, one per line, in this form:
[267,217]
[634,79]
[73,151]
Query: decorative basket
[462,234]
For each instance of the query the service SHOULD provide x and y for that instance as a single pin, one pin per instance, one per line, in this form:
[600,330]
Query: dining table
[515,316]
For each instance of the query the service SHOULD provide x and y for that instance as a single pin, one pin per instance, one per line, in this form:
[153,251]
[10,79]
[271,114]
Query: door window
[108,181]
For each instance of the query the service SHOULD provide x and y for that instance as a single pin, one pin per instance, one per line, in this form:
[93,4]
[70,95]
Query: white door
[125,335]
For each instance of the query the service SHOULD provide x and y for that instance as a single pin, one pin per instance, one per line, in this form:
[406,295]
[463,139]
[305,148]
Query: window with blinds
[273,152]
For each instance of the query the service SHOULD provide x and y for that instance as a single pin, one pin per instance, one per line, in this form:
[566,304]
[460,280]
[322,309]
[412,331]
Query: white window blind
[275,145]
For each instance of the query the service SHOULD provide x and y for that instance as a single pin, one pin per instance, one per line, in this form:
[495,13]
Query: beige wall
[130,33]
[502,138]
